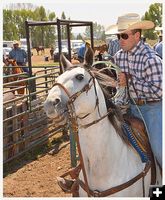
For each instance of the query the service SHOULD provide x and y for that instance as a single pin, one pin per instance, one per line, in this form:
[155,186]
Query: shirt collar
[136,48]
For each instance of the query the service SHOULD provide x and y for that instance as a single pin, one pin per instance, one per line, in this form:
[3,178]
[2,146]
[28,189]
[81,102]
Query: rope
[140,115]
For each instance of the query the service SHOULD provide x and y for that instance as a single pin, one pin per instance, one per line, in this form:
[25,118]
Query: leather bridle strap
[105,193]
[60,85]
[110,111]
[86,88]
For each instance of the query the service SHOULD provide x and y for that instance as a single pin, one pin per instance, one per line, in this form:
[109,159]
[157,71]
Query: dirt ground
[38,178]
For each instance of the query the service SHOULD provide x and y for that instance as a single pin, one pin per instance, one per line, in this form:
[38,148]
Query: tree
[50,31]
[154,14]
[98,30]
[15,29]
[63,28]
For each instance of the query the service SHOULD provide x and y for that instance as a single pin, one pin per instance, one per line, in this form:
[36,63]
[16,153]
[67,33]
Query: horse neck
[100,144]
[98,137]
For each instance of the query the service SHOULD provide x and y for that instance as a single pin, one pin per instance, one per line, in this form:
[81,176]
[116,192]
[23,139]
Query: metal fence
[25,123]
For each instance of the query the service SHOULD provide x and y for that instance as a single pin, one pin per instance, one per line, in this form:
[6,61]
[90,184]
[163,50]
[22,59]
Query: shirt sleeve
[110,48]
[151,84]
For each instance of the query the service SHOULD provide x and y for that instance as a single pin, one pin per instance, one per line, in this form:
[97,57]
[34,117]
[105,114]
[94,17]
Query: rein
[75,127]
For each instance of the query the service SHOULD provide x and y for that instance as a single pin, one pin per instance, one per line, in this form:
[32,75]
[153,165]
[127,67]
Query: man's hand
[122,79]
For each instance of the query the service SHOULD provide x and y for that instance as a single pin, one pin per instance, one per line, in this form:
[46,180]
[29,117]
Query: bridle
[75,127]
[73,97]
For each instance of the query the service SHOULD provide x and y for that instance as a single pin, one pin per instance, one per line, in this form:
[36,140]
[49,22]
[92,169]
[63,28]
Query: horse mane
[116,118]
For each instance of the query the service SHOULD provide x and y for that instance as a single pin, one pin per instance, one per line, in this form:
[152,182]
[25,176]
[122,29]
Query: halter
[75,126]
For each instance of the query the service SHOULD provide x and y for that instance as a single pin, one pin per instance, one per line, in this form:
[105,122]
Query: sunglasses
[124,36]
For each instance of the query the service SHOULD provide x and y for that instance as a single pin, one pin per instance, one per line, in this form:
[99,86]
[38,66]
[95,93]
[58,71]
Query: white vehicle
[23,42]
[75,45]
[6,51]
[64,50]
[7,43]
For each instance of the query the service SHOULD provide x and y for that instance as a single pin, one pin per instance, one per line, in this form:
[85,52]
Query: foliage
[39,35]
[98,30]
[154,14]
[15,29]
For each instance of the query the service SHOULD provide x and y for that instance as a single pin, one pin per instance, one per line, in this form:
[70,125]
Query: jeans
[152,114]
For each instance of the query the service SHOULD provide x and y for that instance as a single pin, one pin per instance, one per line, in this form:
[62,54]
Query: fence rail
[25,123]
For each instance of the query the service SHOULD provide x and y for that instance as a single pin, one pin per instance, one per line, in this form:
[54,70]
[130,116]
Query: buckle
[96,193]
[140,102]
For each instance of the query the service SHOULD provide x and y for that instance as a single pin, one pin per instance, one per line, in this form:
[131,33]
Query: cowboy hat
[129,21]
[15,42]
[86,41]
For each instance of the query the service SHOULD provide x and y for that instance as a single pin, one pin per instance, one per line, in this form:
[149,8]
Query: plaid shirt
[114,47]
[145,68]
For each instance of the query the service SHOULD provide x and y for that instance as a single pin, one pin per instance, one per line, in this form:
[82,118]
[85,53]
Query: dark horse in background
[40,48]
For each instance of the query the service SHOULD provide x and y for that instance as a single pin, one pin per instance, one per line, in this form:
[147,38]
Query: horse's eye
[79,77]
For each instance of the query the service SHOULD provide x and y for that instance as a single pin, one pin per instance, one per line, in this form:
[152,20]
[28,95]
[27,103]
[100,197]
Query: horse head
[76,85]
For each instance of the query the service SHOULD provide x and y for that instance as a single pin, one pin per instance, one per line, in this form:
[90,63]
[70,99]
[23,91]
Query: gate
[25,124]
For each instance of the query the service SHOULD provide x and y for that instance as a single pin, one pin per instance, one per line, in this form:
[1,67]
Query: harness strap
[96,121]
[86,88]
[105,193]
[74,172]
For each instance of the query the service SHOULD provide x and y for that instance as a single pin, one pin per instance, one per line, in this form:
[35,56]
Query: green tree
[154,14]
[63,28]
[9,28]
[98,31]
[15,28]
[50,31]
[40,32]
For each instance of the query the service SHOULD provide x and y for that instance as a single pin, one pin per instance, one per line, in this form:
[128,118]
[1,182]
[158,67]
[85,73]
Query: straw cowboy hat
[86,41]
[129,21]
[15,42]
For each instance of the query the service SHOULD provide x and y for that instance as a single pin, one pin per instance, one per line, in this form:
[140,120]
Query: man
[142,72]
[114,46]
[19,55]
[159,32]
[158,48]
[82,50]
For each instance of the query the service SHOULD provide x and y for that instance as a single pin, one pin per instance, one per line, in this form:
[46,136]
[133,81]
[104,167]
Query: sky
[104,12]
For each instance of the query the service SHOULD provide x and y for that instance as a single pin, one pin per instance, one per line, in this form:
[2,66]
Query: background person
[158,46]
[51,52]
[82,50]
[158,30]
[19,55]
[142,70]
[114,46]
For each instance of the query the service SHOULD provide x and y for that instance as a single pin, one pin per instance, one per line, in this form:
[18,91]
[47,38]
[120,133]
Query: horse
[40,48]
[11,71]
[110,166]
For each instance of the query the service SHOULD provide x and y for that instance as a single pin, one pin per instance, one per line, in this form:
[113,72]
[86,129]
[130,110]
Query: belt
[141,102]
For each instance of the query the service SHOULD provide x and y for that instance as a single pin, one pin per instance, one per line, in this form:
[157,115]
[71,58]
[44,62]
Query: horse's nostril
[56,102]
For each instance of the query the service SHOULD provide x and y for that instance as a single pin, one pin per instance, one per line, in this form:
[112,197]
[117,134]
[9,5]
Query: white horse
[110,163]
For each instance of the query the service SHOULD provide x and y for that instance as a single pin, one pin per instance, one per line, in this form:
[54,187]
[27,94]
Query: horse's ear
[65,62]
[89,56]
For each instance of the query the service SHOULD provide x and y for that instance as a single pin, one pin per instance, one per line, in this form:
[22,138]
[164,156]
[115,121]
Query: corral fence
[25,124]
